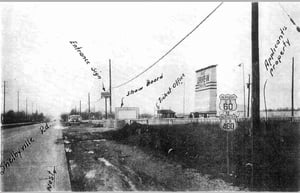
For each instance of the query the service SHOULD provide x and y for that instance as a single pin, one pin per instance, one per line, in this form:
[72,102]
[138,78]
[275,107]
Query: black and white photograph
[150,96]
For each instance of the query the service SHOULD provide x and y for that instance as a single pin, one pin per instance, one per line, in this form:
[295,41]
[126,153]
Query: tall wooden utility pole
[248,87]
[244,91]
[80,107]
[18,100]
[255,119]
[255,68]
[105,107]
[183,103]
[89,105]
[26,109]
[4,97]
[292,87]
[109,86]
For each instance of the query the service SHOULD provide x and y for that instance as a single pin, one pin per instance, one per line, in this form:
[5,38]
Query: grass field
[203,147]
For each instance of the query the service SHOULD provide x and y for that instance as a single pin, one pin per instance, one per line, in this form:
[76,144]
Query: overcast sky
[38,60]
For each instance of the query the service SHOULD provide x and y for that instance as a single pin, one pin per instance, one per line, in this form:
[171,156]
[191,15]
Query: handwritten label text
[279,50]
[78,49]
[177,82]
[6,164]
[148,83]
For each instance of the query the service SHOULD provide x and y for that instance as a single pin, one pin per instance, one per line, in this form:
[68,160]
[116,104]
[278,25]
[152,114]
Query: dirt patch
[99,164]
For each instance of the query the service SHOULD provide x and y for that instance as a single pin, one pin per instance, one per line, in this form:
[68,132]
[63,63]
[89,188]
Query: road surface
[31,167]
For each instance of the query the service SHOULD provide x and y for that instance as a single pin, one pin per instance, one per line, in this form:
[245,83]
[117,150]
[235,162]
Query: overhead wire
[291,19]
[170,50]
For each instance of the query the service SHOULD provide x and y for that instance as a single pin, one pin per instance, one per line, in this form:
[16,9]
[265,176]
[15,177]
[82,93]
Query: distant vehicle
[74,119]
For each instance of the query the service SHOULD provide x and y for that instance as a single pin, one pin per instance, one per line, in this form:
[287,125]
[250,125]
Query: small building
[165,113]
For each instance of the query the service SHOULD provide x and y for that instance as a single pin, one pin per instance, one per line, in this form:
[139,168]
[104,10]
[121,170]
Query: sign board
[105,94]
[206,90]
[127,113]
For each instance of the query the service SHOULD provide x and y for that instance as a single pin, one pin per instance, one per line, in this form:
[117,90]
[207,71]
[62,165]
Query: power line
[170,50]
[293,22]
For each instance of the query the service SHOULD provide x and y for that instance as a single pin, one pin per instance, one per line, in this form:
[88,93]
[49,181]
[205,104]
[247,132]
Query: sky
[38,60]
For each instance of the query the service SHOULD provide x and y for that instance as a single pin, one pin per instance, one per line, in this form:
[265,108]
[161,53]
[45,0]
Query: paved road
[41,152]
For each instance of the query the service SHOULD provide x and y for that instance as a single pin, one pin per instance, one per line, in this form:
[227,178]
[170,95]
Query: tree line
[21,117]
[86,115]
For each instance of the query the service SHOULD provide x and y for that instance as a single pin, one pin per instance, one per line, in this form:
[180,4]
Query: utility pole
[26,108]
[248,87]
[292,87]
[255,119]
[255,68]
[4,98]
[105,107]
[89,104]
[244,91]
[183,98]
[80,107]
[110,86]
[243,88]
[18,99]
[3,116]
[227,153]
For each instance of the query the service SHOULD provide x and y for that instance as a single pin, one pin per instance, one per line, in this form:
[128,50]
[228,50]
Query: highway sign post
[105,95]
[227,120]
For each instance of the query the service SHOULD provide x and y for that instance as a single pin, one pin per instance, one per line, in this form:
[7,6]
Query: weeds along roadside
[203,147]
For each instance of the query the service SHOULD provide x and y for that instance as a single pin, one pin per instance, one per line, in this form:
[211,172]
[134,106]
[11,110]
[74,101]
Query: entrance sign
[105,94]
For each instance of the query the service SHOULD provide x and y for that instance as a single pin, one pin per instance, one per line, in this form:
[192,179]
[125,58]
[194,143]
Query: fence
[180,121]
[210,121]
[174,121]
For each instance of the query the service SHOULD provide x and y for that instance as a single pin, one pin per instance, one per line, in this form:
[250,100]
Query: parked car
[74,120]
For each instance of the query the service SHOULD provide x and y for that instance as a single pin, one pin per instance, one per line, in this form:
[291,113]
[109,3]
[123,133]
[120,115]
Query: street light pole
[248,86]
[110,87]
[244,91]
[244,88]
